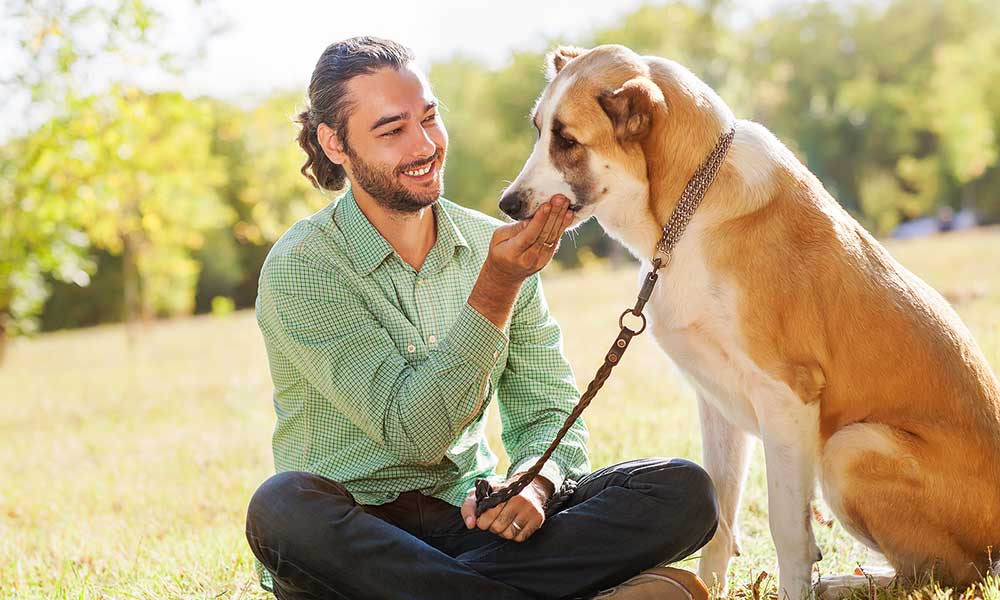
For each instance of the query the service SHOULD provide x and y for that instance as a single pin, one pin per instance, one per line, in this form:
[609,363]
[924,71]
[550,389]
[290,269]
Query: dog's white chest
[693,316]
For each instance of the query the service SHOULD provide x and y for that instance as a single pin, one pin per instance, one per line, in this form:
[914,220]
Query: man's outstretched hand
[522,248]
[517,251]
[527,509]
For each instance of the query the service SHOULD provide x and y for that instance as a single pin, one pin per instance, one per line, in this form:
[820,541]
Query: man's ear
[557,59]
[631,108]
[331,144]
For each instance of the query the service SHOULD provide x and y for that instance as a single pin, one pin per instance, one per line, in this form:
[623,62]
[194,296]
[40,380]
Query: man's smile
[421,172]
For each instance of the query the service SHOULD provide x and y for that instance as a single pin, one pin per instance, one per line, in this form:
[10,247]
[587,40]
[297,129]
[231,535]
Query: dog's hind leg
[922,508]
[726,452]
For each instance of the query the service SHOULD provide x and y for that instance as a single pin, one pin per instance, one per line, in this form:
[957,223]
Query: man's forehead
[388,90]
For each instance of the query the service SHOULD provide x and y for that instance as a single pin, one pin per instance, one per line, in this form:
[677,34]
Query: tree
[149,191]
[56,46]
[35,239]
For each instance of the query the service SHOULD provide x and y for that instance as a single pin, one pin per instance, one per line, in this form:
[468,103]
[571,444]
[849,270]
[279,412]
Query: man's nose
[423,146]
[512,203]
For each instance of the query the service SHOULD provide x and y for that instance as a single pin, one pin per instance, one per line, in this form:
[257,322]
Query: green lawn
[126,474]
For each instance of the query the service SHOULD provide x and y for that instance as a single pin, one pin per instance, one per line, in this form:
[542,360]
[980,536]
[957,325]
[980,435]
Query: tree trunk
[3,336]
[130,279]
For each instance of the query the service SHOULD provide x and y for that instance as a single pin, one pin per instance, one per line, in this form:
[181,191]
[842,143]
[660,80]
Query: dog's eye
[564,142]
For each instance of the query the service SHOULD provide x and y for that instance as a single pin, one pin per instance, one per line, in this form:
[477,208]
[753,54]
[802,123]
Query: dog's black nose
[512,203]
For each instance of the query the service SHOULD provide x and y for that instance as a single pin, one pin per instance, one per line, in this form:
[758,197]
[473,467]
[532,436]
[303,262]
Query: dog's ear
[557,59]
[631,107]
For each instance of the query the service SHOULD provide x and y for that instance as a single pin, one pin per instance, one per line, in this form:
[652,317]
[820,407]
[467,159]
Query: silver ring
[548,244]
[516,527]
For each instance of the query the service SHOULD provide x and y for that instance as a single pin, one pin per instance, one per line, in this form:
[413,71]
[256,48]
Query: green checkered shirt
[382,374]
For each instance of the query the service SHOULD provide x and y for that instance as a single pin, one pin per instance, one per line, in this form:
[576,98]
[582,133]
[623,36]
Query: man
[392,318]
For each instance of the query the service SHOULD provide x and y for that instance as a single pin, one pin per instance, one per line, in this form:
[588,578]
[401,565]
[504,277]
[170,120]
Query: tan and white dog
[791,321]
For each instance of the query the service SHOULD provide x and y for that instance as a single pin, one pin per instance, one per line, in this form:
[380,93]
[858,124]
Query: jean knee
[687,481]
[703,498]
[278,515]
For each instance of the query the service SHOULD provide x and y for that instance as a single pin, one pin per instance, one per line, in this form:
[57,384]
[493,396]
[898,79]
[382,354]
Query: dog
[790,320]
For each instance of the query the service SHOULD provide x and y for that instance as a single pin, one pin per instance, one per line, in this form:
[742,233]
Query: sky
[272,45]
[275,45]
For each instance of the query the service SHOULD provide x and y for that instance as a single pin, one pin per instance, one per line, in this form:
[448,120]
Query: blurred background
[148,162]
[148,157]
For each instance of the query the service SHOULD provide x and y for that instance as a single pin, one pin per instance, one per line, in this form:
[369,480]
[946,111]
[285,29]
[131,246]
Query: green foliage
[487,119]
[52,167]
[146,188]
[37,236]
[223,306]
[275,193]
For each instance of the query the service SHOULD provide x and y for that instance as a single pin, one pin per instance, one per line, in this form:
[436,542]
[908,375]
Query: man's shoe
[658,583]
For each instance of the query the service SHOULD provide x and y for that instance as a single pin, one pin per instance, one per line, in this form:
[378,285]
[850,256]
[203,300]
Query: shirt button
[432,339]
[411,348]
[496,353]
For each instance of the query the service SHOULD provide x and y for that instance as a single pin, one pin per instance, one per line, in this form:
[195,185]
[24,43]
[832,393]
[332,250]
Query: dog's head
[601,113]
[591,119]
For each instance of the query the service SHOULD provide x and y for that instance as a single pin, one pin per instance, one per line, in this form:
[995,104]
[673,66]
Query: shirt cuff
[550,470]
[476,338]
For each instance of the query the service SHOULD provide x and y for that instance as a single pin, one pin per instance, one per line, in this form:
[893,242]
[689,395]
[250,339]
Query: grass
[126,474]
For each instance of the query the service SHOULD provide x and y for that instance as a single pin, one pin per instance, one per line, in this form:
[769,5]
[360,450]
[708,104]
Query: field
[126,473]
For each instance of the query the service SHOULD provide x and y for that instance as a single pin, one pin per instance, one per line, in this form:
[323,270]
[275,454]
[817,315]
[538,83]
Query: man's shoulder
[305,246]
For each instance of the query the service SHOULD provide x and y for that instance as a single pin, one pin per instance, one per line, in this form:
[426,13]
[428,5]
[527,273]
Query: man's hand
[521,249]
[527,510]
[517,251]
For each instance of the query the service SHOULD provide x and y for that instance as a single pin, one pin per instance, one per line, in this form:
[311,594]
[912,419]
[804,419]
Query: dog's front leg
[726,452]
[790,437]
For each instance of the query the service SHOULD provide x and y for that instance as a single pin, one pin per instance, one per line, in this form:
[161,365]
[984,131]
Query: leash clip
[621,321]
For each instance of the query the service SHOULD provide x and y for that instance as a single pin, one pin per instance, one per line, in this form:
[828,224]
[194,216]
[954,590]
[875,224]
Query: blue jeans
[317,542]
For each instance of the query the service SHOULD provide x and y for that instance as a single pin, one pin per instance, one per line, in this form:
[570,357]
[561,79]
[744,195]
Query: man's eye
[392,133]
[430,118]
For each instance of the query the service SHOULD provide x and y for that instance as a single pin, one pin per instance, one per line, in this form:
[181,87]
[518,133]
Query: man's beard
[385,187]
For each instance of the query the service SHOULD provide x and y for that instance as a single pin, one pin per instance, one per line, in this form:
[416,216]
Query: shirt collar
[368,249]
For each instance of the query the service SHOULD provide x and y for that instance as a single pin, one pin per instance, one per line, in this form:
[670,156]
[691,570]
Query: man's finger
[527,520]
[560,228]
[528,529]
[553,222]
[527,236]
[505,232]
[469,511]
[485,520]
[501,524]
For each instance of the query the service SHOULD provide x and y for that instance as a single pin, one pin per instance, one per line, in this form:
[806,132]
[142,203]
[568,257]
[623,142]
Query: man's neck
[412,235]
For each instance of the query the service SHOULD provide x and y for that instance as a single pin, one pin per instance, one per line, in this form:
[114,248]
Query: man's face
[396,141]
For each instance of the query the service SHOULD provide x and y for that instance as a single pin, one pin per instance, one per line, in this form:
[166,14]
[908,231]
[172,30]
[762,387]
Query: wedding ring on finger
[548,244]
[516,527]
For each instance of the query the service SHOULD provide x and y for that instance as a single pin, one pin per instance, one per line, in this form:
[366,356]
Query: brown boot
[658,583]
